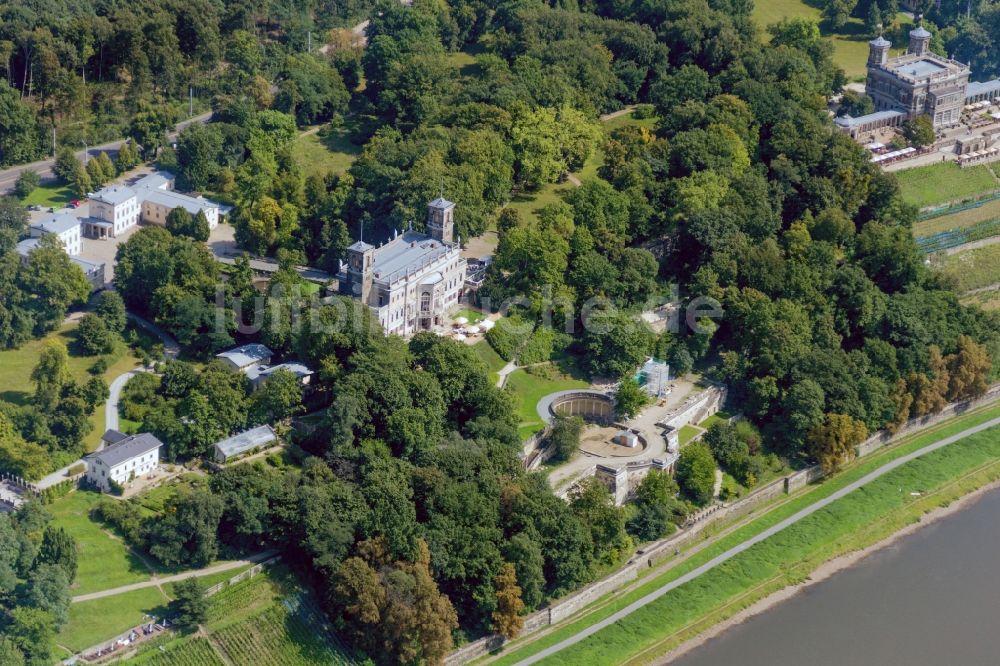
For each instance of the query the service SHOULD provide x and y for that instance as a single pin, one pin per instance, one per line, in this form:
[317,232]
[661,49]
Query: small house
[246,357]
[123,458]
[259,375]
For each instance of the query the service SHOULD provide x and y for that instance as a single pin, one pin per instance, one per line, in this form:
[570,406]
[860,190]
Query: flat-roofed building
[260,375]
[244,443]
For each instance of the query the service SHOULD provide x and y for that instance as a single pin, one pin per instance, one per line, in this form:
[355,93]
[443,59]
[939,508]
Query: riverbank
[825,571]
[857,508]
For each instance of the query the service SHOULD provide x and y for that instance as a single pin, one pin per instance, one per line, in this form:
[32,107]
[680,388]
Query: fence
[658,551]
[945,240]
[951,208]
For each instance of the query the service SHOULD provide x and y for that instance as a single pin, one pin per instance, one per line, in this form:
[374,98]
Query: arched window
[425,302]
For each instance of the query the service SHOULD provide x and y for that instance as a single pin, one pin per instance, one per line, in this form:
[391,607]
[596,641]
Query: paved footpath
[155,582]
[769,532]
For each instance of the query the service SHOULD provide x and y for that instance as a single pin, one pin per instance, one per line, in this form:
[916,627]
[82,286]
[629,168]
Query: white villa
[123,458]
[63,226]
[413,281]
[118,208]
[66,228]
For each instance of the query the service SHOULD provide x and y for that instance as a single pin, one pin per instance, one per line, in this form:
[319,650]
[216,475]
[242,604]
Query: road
[155,582]
[43,168]
[749,543]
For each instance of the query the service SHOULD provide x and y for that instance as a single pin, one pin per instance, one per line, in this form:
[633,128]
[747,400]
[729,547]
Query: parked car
[75,203]
[71,204]
[34,207]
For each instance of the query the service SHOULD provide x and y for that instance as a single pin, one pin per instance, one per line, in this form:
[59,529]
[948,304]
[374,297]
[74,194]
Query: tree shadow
[19,398]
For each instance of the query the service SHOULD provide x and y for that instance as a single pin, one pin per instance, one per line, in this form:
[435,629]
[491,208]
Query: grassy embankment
[54,195]
[971,269]
[943,182]
[529,388]
[862,518]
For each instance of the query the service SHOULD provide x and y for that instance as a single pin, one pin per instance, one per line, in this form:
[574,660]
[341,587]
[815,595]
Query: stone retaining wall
[658,551]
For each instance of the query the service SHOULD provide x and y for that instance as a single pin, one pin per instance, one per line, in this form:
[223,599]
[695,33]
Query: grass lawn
[55,195]
[971,269]
[528,389]
[967,218]
[944,182]
[474,316]
[104,561]
[493,361]
[718,417]
[863,517]
[850,44]
[16,366]
[91,622]
[688,433]
[153,500]
[323,154]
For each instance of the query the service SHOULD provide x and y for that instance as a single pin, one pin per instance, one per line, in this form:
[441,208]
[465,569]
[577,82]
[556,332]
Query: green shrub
[643,111]
[508,336]
[26,183]
[538,347]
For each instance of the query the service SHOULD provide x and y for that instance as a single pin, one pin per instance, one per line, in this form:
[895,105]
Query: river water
[930,599]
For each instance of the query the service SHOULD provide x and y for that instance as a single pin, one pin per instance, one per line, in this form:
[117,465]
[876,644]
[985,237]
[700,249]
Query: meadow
[943,182]
[971,269]
[324,151]
[104,561]
[863,517]
[91,622]
[50,195]
[16,365]
[850,43]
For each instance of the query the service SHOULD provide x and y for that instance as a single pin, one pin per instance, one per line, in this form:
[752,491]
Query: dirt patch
[596,441]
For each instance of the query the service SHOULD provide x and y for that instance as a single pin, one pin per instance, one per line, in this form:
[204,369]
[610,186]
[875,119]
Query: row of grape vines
[277,637]
[192,652]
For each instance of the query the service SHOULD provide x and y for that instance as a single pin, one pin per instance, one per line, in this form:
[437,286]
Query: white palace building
[412,282]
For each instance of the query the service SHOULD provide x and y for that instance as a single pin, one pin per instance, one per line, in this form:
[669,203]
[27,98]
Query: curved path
[769,532]
[114,396]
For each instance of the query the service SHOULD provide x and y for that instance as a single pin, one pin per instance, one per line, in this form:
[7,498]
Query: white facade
[63,226]
[124,461]
[114,210]
[413,281]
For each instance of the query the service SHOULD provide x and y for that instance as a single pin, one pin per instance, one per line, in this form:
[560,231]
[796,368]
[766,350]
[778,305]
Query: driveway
[114,394]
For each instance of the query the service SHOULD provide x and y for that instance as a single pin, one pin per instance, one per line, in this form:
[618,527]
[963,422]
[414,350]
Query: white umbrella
[473,330]
[462,321]
[459,337]
[487,324]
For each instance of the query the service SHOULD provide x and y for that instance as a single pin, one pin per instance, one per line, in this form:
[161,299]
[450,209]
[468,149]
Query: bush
[94,337]
[538,347]
[643,111]
[99,367]
[509,335]
[565,437]
[78,468]
[26,183]
[122,516]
